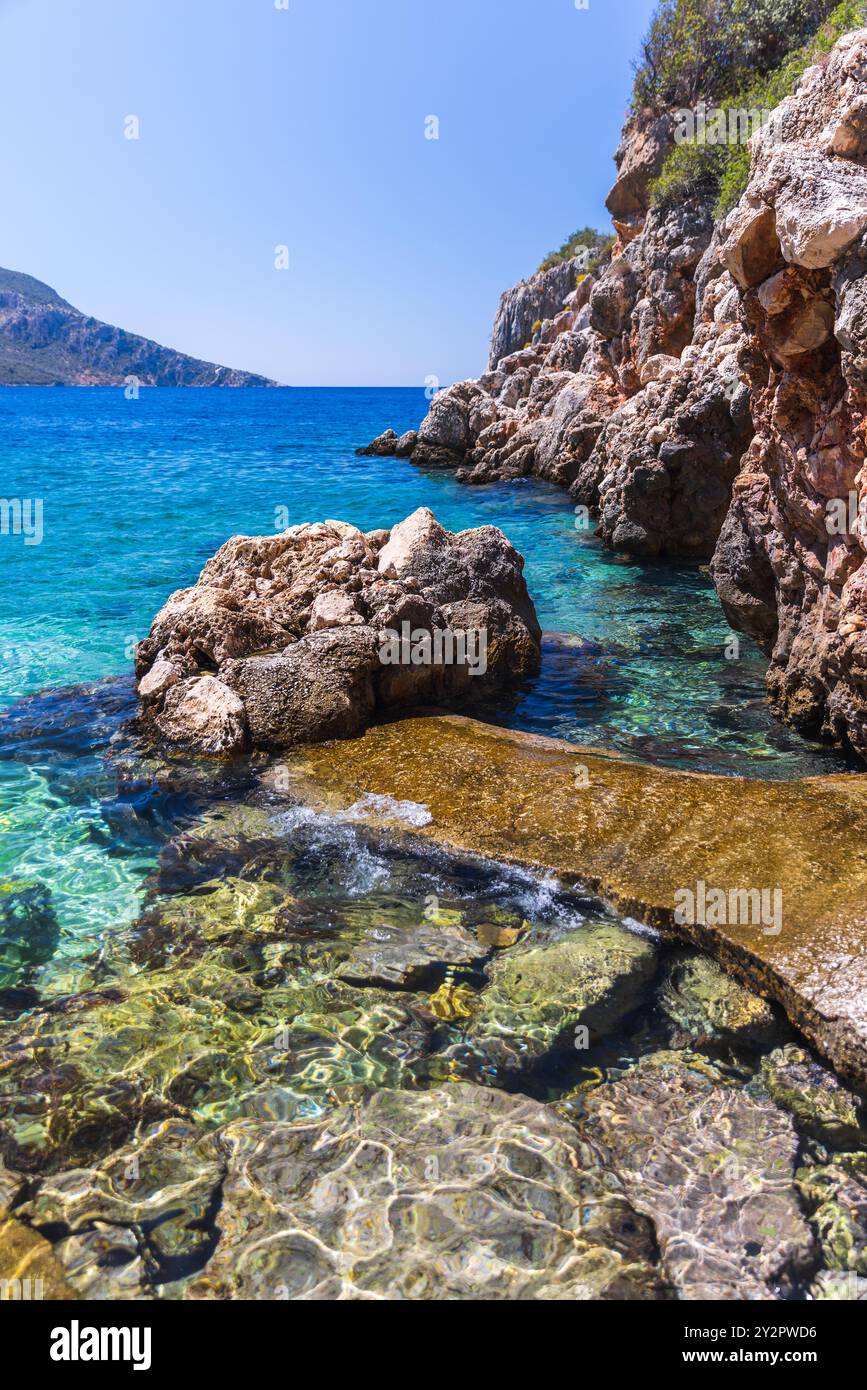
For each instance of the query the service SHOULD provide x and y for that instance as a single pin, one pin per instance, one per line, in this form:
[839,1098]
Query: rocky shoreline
[414,1007]
[702,393]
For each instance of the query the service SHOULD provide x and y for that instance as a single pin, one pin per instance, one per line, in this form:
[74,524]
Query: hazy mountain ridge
[45,341]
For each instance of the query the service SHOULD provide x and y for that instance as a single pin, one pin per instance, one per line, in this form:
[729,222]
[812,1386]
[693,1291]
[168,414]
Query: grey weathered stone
[284,638]
[713,1169]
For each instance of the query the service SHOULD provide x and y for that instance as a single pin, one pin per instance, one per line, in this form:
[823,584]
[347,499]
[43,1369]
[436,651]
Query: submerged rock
[456,1193]
[305,635]
[393,956]
[539,996]
[706,1003]
[29,1269]
[638,834]
[713,1169]
[29,930]
[141,1217]
[835,1196]
[822,1107]
[831,1285]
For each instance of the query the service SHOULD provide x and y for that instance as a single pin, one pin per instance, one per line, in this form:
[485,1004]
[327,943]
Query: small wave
[539,897]
[358,867]
[411,813]
[641,928]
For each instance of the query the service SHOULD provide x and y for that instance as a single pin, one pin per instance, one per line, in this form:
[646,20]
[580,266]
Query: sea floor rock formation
[346,1051]
[459,1192]
[638,835]
[721,1189]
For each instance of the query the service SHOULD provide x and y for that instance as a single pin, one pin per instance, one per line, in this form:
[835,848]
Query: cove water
[134,497]
[137,494]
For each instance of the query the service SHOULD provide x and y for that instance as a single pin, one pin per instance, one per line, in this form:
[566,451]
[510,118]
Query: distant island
[44,341]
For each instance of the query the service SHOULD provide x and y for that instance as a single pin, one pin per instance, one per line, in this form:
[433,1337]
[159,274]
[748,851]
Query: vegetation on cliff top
[710,48]
[585,239]
[721,170]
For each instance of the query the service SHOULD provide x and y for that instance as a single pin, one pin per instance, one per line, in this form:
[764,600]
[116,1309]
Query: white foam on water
[640,928]
[535,896]
[362,869]
[411,813]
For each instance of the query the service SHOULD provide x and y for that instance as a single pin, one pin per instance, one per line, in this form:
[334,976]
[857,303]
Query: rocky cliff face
[540,297]
[46,342]
[790,562]
[703,393]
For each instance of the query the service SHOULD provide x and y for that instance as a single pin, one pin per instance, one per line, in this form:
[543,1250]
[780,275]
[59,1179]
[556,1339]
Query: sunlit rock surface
[458,1193]
[29,1269]
[295,637]
[715,1168]
[538,997]
[639,834]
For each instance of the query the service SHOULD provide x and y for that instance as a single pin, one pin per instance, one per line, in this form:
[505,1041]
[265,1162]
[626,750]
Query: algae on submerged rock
[821,1106]
[539,995]
[713,1168]
[705,1003]
[459,1192]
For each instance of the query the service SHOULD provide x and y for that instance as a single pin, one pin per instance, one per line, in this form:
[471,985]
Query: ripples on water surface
[138,494]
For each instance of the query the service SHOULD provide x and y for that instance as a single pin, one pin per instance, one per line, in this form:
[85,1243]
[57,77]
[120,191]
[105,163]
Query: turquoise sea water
[137,494]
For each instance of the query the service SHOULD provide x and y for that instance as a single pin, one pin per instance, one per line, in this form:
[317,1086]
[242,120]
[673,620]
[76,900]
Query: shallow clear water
[182,945]
[137,494]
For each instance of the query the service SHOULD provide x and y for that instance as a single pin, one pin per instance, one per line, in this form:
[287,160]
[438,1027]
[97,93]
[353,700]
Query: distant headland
[44,341]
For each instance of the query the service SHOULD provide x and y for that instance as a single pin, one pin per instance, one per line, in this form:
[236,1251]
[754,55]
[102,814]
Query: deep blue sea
[137,494]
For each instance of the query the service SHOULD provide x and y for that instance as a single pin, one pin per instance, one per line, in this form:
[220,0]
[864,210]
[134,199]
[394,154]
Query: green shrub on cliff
[586,238]
[705,48]
[721,171]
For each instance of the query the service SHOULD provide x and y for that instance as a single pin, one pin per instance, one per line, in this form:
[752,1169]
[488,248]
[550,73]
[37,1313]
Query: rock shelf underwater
[339,1054]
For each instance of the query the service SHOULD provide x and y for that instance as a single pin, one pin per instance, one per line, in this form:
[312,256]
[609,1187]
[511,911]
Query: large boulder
[306,635]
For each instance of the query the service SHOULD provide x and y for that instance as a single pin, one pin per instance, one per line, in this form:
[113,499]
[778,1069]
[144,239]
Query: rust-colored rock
[640,836]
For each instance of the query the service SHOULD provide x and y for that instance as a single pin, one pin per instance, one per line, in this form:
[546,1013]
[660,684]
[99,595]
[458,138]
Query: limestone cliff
[703,392]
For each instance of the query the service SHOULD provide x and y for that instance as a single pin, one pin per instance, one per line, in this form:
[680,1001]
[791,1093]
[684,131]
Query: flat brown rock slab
[645,838]
[28,1268]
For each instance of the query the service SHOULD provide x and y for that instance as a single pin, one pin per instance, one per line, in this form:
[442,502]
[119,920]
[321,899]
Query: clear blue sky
[304,126]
